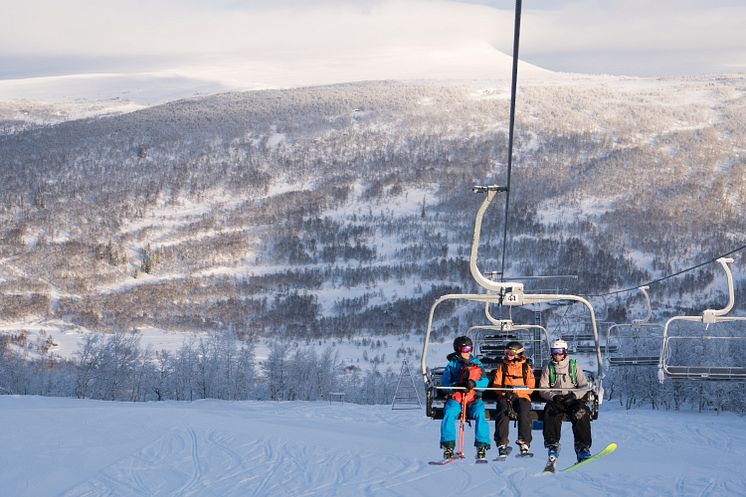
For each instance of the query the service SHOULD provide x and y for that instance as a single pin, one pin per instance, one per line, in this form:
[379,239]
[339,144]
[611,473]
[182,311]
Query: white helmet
[560,344]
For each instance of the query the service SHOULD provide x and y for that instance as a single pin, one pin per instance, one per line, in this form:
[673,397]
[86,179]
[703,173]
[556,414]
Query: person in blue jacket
[464,370]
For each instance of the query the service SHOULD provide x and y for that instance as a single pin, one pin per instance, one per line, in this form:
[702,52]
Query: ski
[443,462]
[527,454]
[503,457]
[482,461]
[605,452]
[551,466]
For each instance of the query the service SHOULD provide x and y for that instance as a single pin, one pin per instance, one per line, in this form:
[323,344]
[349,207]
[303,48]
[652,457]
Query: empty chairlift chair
[711,348]
[637,343]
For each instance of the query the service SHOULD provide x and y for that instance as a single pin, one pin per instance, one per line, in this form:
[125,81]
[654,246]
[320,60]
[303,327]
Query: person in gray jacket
[565,373]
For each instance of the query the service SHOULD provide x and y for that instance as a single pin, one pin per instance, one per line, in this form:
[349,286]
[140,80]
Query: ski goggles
[558,351]
[464,348]
[511,353]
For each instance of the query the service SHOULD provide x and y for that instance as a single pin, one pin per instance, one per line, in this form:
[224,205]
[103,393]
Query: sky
[203,46]
[631,37]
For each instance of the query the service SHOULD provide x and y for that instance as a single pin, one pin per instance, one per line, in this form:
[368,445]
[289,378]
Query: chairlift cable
[516,37]
[658,280]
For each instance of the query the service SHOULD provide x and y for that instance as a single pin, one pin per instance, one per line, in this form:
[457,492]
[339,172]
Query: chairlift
[625,339]
[509,294]
[717,342]
[490,340]
[578,332]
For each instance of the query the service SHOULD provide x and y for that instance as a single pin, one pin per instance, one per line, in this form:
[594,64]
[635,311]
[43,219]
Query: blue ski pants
[474,411]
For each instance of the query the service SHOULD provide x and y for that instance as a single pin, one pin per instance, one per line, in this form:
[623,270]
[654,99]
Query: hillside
[345,210]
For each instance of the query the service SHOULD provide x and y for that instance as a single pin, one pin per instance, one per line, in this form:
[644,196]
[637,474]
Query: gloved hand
[469,385]
[565,400]
[510,396]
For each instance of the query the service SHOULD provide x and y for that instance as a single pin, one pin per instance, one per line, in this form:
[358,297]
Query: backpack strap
[574,372]
[573,367]
[525,366]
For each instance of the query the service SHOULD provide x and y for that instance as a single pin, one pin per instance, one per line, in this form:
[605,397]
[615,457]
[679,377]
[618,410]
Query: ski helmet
[462,342]
[516,348]
[559,346]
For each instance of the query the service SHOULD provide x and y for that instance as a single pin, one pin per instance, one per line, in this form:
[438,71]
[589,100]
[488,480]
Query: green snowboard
[607,450]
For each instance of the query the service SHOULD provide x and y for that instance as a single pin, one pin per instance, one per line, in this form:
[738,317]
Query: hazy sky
[632,37]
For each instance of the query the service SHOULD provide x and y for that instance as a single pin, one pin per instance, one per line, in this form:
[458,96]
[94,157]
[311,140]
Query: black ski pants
[578,414]
[522,407]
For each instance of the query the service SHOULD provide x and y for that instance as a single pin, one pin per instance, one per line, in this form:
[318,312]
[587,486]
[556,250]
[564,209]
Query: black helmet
[516,347]
[460,342]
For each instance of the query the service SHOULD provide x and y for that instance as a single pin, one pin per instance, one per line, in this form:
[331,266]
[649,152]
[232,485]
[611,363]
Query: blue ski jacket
[451,373]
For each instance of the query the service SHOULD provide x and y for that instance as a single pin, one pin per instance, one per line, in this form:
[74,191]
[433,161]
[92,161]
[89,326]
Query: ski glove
[565,400]
[469,385]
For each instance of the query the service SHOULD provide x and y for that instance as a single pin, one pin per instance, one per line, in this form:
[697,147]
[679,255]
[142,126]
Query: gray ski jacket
[562,370]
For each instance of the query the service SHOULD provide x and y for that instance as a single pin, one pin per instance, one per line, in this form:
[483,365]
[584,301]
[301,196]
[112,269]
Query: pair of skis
[482,460]
[550,468]
[508,450]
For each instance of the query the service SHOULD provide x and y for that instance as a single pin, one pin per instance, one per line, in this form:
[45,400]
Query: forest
[345,210]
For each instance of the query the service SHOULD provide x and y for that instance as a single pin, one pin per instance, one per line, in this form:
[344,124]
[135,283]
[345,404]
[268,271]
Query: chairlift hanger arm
[638,322]
[481,280]
[712,315]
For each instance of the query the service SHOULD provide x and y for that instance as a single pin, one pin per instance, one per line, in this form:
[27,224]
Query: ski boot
[523,447]
[553,451]
[482,453]
[503,450]
[583,453]
[448,453]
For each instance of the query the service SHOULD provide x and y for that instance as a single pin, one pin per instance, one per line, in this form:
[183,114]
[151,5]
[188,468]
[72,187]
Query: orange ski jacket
[514,377]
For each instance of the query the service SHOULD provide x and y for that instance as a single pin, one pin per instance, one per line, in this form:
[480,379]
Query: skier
[467,371]
[563,372]
[515,371]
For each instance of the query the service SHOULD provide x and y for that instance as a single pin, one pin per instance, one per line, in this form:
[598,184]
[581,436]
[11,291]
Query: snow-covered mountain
[68,447]
[317,211]
[80,95]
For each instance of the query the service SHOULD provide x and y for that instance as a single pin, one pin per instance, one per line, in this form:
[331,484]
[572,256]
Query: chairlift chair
[624,338]
[509,294]
[579,334]
[706,369]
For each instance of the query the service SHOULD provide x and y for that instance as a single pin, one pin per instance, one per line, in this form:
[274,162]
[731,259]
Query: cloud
[559,35]
[94,28]
[636,25]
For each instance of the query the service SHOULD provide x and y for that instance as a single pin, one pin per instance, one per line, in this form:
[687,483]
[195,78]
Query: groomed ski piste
[68,447]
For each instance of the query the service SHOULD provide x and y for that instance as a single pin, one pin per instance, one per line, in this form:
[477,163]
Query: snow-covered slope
[67,447]
[75,96]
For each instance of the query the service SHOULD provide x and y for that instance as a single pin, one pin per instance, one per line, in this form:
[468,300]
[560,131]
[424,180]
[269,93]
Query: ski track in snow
[314,449]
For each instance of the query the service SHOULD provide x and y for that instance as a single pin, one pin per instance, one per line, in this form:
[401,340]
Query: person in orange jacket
[515,371]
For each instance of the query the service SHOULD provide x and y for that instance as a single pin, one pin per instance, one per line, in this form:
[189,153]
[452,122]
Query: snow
[91,94]
[70,447]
